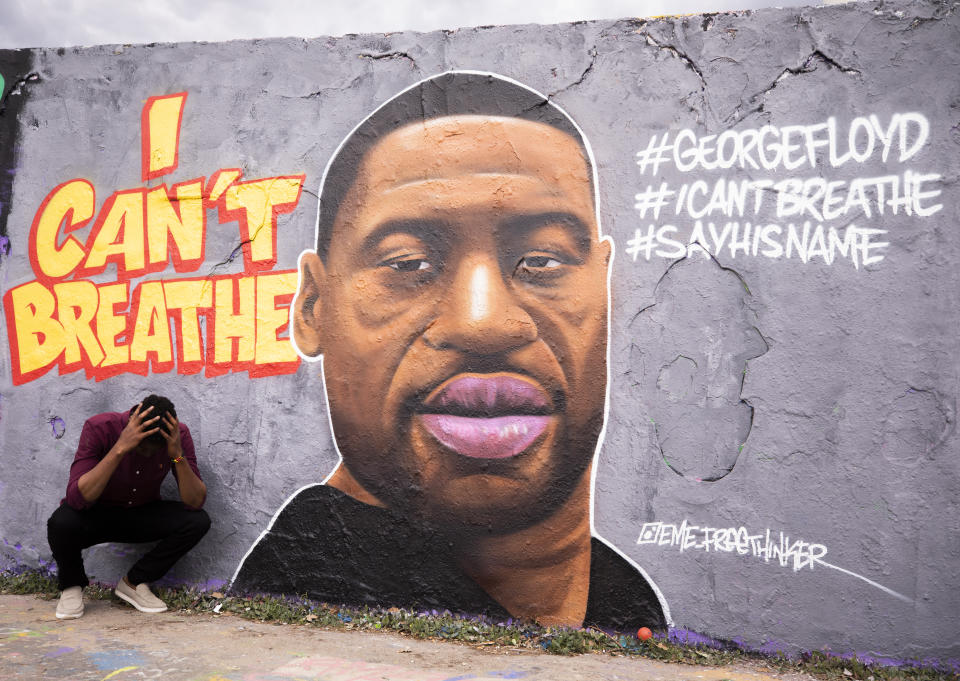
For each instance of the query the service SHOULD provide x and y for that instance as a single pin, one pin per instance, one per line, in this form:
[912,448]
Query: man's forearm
[192,490]
[92,483]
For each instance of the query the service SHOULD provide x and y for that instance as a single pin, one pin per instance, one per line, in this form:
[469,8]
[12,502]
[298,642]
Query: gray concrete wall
[760,388]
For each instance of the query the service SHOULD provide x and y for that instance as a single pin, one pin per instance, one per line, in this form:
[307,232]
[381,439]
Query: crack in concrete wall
[17,89]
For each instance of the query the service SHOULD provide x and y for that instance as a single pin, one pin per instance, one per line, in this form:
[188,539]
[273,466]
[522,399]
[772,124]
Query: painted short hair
[449,94]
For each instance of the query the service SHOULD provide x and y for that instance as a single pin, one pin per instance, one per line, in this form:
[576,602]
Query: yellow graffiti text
[223,324]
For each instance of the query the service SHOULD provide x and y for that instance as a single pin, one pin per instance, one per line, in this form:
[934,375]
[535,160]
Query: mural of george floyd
[623,323]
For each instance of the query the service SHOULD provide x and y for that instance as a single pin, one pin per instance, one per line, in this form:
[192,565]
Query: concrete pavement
[113,642]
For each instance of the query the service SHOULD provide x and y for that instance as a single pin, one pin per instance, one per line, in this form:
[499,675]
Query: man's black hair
[161,407]
[448,94]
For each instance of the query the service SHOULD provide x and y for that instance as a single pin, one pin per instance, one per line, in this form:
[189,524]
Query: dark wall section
[15,80]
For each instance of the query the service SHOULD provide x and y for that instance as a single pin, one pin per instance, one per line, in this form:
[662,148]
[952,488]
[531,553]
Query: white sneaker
[139,597]
[70,605]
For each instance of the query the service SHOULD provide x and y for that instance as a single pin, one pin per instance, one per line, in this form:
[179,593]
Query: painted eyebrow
[428,229]
[521,225]
[515,226]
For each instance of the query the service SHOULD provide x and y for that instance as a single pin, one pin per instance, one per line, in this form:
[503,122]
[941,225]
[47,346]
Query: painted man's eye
[539,262]
[541,268]
[408,264]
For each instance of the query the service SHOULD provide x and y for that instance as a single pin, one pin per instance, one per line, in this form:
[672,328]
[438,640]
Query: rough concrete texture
[804,396]
[109,643]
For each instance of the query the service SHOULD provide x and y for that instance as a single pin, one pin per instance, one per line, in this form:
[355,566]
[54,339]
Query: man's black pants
[176,527]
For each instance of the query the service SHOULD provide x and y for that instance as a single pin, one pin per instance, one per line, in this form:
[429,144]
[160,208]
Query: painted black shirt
[336,549]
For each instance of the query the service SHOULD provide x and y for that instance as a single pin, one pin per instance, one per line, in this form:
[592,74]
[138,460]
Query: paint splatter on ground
[115,659]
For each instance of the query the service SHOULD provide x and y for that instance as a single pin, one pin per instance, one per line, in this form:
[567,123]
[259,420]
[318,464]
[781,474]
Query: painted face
[462,314]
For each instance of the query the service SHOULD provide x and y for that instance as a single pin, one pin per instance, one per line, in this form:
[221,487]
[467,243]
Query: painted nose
[480,314]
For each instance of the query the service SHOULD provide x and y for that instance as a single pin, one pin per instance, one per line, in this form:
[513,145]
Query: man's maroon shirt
[136,480]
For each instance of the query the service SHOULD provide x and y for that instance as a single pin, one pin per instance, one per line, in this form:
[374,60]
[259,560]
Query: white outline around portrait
[606,402]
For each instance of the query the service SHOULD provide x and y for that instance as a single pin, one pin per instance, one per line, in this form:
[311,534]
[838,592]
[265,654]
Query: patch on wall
[697,338]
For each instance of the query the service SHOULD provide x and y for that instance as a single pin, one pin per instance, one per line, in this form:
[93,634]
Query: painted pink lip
[487,417]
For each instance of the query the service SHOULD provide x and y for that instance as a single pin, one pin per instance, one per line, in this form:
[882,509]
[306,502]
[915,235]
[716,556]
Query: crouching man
[114,496]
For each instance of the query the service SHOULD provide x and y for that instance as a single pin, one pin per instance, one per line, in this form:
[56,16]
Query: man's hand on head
[139,426]
[192,490]
[171,433]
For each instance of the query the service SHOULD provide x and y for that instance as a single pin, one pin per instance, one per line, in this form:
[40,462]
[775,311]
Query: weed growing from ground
[484,632]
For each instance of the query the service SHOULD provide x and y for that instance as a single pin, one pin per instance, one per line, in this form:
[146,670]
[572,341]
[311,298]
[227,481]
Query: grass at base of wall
[484,632]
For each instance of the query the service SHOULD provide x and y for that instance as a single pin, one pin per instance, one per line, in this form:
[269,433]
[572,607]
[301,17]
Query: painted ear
[606,250]
[308,304]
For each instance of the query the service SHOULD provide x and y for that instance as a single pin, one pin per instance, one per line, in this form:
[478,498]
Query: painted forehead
[442,148]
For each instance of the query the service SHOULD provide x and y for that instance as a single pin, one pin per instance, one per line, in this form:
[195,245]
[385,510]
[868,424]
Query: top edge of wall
[827,5]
